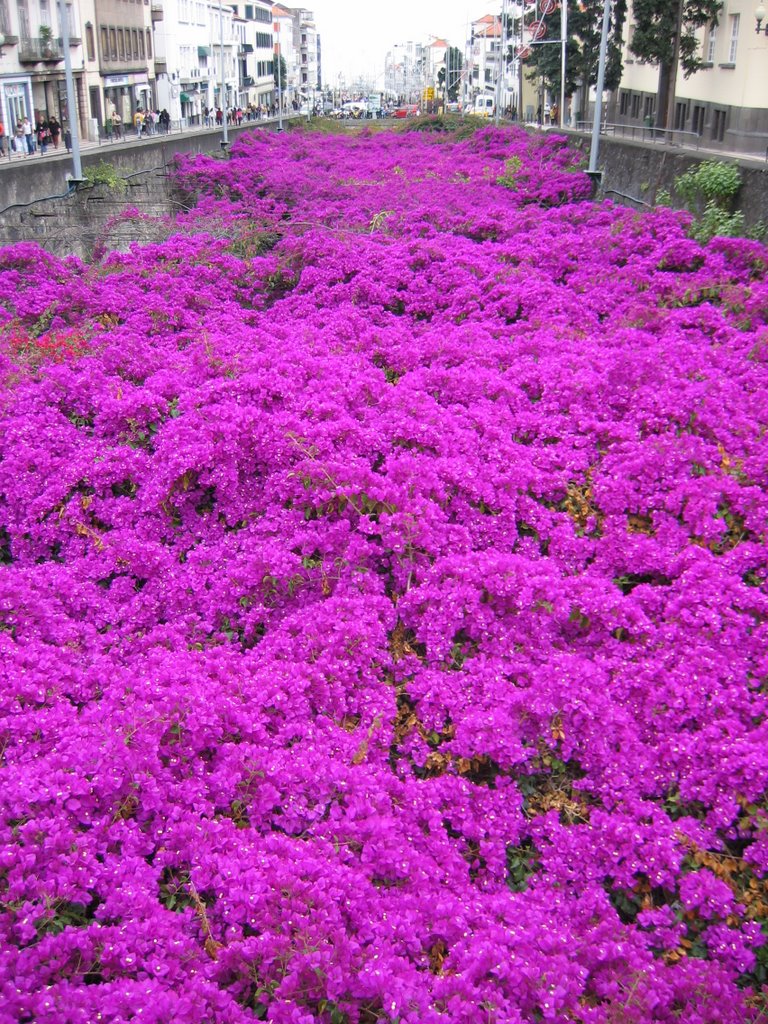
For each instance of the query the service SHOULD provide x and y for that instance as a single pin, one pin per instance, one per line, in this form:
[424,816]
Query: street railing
[645,133]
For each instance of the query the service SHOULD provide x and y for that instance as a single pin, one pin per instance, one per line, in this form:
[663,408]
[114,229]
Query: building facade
[724,105]
[32,81]
[405,70]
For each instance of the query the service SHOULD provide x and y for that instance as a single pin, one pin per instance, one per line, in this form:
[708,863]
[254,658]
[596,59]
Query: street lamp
[760,17]
[224,134]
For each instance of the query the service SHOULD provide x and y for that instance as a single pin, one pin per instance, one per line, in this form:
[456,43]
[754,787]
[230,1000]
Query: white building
[189,44]
[405,69]
[32,82]
[725,103]
[299,42]
[256,54]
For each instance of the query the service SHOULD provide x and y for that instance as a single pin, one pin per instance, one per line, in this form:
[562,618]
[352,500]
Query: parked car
[409,110]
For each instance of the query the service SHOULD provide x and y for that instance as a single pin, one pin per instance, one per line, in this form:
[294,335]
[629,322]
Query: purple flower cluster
[383,606]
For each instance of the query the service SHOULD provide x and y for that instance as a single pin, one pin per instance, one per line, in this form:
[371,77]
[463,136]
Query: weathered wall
[641,170]
[34,207]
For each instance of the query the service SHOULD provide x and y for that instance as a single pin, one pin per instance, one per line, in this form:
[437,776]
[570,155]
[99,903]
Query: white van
[484,106]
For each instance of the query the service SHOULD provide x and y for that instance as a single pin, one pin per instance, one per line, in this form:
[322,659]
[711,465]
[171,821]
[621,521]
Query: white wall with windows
[725,103]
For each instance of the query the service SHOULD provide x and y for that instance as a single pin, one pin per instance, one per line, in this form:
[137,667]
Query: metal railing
[33,51]
[646,133]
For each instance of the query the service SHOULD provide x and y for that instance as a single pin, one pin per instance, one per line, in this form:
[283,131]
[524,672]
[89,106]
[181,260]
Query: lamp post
[279,82]
[563,56]
[760,17]
[74,127]
[599,89]
[225,135]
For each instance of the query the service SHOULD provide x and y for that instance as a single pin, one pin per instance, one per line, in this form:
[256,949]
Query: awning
[203,51]
[185,97]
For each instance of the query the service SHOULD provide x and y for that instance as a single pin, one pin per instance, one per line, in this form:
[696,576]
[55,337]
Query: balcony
[157,12]
[247,81]
[37,51]
[244,48]
[161,65]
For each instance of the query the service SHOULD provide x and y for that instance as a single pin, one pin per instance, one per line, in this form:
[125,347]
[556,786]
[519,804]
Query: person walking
[19,143]
[2,139]
[43,136]
[29,137]
[55,129]
[117,125]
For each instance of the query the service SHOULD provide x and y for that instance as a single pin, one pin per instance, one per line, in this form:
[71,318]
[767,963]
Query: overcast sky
[356,34]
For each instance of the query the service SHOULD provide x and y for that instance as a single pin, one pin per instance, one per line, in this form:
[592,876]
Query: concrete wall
[34,205]
[640,170]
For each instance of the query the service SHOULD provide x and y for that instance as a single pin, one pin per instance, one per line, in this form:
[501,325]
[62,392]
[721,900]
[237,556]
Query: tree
[454,60]
[585,22]
[282,84]
[665,34]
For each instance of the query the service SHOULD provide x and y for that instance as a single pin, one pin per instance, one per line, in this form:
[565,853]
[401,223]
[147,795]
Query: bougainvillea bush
[383,607]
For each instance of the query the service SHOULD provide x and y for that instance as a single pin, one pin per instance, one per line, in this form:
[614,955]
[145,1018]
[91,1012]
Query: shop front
[16,103]
[125,93]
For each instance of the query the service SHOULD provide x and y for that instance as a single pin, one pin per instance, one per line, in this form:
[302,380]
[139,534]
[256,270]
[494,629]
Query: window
[635,105]
[649,106]
[104,44]
[90,43]
[5,26]
[624,102]
[718,125]
[711,43]
[135,35]
[121,44]
[113,44]
[697,120]
[141,45]
[149,43]
[23,19]
[45,13]
[681,116]
[734,19]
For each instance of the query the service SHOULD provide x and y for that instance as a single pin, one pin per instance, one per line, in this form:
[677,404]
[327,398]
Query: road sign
[537,29]
[547,6]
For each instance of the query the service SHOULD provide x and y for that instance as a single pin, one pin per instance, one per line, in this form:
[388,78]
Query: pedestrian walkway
[129,136]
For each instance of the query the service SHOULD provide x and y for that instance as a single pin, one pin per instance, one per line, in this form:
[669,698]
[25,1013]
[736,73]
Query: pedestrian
[67,137]
[43,136]
[138,122]
[2,139]
[538,114]
[165,121]
[29,137]
[109,127]
[55,129]
[19,143]
[117,125]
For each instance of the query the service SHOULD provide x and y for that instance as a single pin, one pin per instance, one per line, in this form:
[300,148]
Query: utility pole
[563,56]
[225,136]
[72,118]
[598,116]
[279,82]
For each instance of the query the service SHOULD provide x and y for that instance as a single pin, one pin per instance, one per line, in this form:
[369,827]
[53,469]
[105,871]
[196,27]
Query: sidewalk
[128,138]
